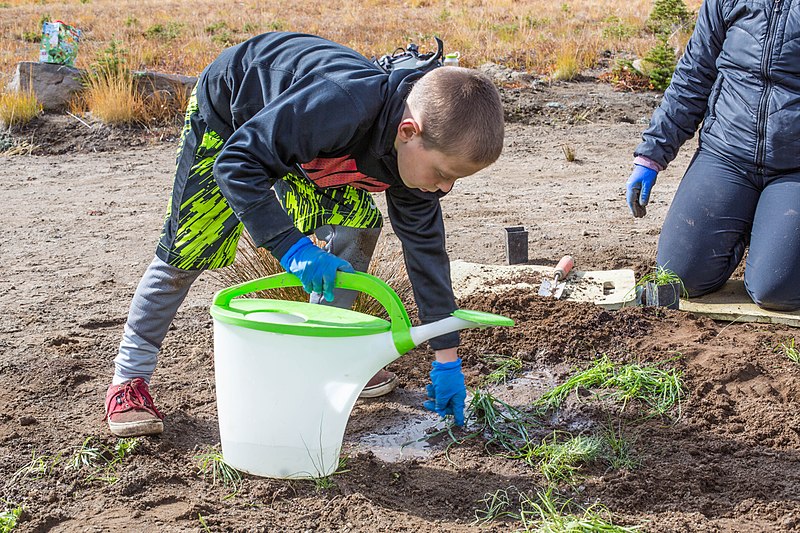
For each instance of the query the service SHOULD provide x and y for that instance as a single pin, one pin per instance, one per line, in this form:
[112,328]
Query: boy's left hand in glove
[447,391]
[315,267]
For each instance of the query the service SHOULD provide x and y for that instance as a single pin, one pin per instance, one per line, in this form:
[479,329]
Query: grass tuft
[505,368]
[496,505]
[326,482]
[618,450]
[111,96]
[789,349]
[545,514]
[598,373]
[87,455]
[560,457]
[9,518]
[567,64]
[211,464]
[660,390]
[40,466]
[17,108]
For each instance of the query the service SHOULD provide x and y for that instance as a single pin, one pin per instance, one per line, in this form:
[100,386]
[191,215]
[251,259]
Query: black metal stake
[516,245]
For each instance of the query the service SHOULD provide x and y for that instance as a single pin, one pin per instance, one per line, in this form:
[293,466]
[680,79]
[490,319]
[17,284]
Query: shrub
[668,16]
[17,108]
[660,61]
[168,32]
[617,29]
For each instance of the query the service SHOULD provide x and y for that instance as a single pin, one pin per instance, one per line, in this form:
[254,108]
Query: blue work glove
[315,267]
[638,189]
[447,392]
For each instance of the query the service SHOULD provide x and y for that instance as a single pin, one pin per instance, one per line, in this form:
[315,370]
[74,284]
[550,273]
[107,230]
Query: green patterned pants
[200,229]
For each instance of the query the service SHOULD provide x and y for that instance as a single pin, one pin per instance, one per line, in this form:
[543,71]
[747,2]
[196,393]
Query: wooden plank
[732,303]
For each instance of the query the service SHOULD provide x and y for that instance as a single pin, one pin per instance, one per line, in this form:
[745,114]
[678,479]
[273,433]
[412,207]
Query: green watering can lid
[301,318]
[298,318]
[311,320]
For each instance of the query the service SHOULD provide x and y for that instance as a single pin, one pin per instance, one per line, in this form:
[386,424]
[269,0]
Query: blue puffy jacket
[740,75]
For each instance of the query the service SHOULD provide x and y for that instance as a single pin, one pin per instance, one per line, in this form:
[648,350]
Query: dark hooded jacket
[285,101]
[740,75]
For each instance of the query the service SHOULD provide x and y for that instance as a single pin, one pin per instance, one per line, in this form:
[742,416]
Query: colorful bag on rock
[59,43]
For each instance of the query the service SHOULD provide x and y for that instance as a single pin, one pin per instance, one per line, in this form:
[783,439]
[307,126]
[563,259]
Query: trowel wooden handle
[563,267]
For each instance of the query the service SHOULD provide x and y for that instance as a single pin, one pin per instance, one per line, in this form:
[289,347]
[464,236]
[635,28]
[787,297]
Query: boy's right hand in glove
[315,267]
[637,189]
[447,391]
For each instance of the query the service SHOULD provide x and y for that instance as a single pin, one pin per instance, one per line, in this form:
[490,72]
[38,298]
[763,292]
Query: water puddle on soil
[405,426]
[404,441]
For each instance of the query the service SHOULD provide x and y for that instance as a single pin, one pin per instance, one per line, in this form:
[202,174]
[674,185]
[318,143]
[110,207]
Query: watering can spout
[461,319]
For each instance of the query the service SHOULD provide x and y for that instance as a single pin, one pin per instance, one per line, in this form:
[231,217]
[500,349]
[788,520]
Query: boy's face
[424,169]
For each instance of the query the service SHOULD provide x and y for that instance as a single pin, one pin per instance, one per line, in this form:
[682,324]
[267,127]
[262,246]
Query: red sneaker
[130,411]
[381,383]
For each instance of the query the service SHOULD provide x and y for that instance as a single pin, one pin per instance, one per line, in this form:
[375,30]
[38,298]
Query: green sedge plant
[789,349]
[504,367]
[547,513]
[660,390]
[9,518]
[210,464]
[496,505]
[560,457]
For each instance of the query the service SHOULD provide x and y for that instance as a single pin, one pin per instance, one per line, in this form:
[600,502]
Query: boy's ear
[407,128]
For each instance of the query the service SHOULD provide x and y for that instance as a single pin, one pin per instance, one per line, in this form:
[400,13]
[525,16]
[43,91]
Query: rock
[174,86]
[53,85]
[27,421]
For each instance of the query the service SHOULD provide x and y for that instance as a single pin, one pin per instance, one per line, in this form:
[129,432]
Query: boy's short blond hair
[461,113]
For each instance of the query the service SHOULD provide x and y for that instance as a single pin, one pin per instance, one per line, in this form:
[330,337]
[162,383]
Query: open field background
[182,37]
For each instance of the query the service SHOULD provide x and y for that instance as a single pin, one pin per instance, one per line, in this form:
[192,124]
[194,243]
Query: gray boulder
[53,85]
[172,86]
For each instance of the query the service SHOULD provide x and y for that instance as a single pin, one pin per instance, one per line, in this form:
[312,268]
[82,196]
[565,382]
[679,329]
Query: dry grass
[17,108]
[253,263]
[183,37]
[112,98]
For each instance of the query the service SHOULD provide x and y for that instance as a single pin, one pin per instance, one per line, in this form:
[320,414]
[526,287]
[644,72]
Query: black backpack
[411,58]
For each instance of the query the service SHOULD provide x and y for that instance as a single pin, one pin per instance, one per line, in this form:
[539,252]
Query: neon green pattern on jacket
[200,230]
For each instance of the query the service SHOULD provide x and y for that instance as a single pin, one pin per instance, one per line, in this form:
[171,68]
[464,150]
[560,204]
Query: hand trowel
[554,288]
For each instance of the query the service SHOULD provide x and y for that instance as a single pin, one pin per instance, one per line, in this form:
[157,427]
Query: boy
[287,134]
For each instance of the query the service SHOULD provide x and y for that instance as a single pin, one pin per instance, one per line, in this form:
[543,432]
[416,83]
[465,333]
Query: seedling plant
[660,390]
[789,349]
[505,368]
[9,518]
[211,464]
[617,449]
[546,514]
[560,456]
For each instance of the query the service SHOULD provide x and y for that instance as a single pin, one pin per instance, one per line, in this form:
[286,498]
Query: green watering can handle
[358,281]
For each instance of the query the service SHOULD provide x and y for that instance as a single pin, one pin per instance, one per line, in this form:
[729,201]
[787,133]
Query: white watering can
[288,373]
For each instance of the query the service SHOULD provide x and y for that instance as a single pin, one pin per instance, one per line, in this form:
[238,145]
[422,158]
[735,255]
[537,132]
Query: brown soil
[81,227]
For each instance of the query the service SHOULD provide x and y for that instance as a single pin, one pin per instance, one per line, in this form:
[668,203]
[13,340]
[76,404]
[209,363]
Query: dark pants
[720,208]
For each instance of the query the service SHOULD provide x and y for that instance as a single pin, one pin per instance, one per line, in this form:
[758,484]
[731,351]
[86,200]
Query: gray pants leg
[718,210]
[354,245]
[161,291]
